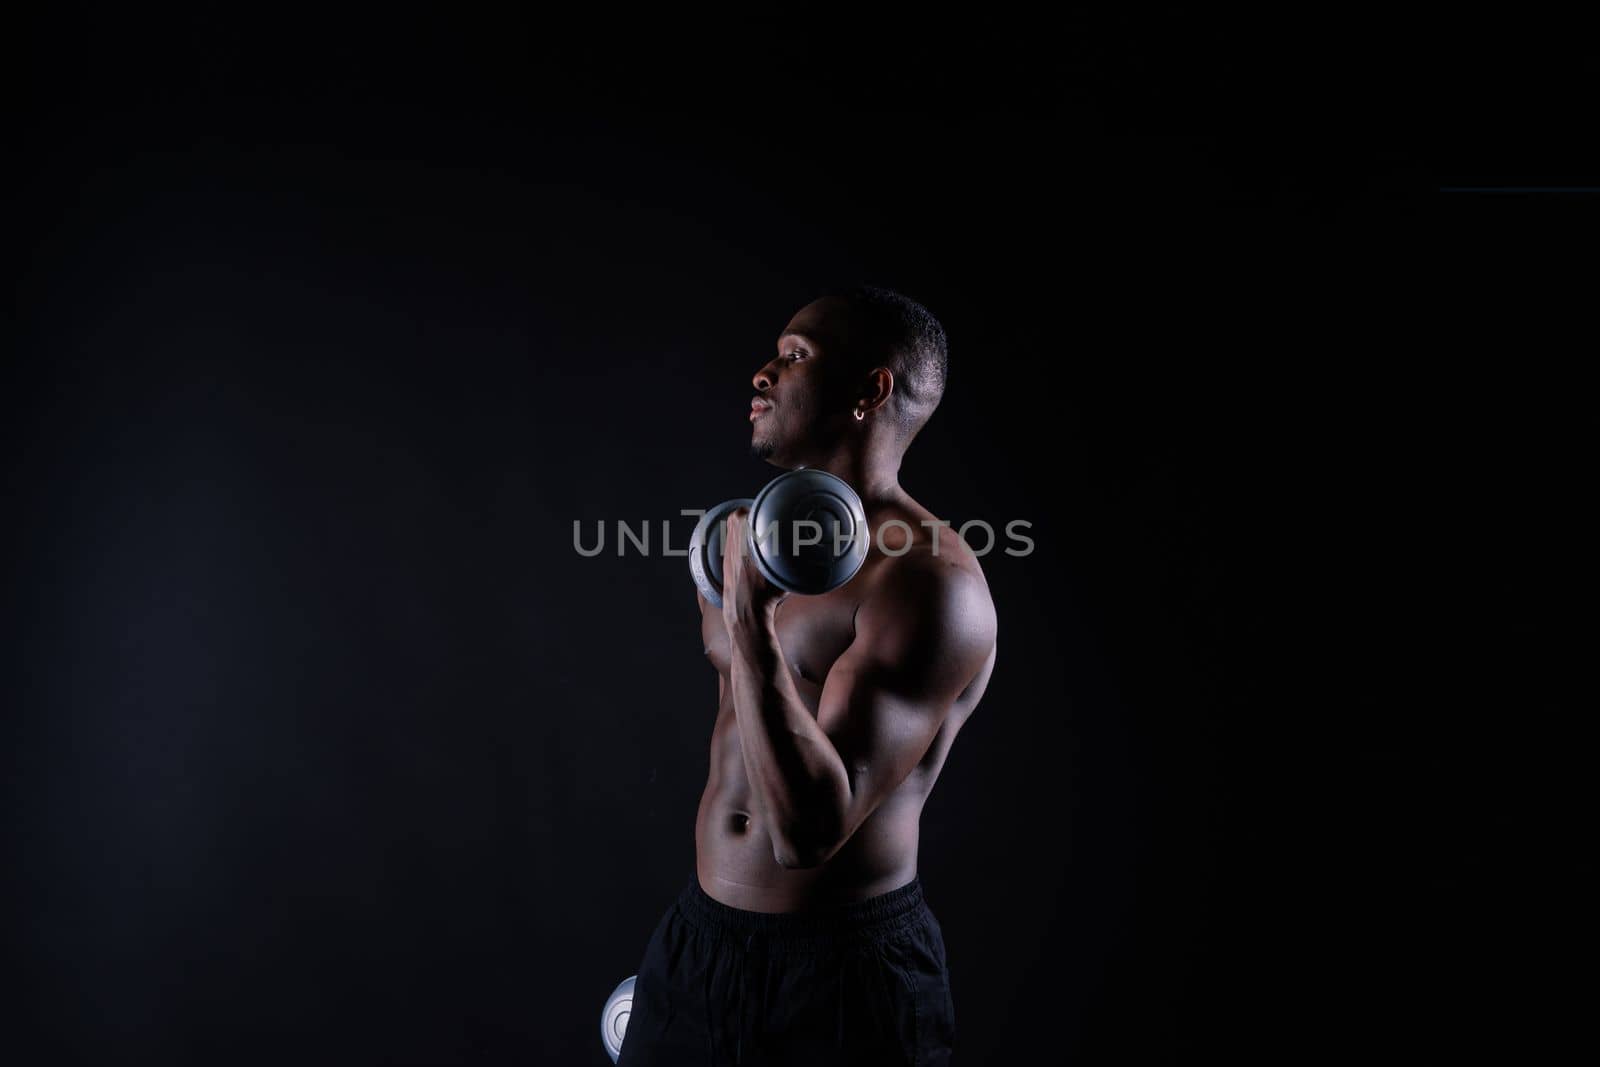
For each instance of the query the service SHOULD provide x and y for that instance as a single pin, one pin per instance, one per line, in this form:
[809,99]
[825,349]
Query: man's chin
[762,449]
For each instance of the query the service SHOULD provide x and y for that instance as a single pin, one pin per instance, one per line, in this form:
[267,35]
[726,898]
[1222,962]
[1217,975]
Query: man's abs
[734,853]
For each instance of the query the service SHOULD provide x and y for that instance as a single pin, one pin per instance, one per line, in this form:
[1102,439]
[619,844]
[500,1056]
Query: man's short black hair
[899,333]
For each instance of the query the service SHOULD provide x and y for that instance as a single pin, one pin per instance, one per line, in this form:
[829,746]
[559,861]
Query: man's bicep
[885,699]
[872,725]
[927,636]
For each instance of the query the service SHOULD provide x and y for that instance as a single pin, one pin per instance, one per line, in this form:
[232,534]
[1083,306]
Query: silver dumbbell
[614,1020]
[807,533]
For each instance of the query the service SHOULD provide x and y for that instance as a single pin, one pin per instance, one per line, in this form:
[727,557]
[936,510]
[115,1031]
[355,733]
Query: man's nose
[764,379]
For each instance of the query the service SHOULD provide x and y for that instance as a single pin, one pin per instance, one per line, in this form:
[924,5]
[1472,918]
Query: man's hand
[748,599]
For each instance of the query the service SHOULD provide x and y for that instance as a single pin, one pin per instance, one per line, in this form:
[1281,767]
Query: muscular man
[804,937]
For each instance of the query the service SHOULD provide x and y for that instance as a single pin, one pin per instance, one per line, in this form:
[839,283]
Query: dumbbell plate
[777,541]
[614,1020]
[705,549]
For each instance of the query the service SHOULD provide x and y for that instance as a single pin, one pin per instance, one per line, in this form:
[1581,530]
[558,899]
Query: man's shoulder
[932,596]
[925,572]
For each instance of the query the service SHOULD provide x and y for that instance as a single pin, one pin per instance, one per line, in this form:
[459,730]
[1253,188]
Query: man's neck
[875,476]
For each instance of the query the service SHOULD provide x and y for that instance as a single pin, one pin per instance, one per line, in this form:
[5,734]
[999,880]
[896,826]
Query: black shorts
[861,983]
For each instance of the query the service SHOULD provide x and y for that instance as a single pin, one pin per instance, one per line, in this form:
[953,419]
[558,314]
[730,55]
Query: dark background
[322,743]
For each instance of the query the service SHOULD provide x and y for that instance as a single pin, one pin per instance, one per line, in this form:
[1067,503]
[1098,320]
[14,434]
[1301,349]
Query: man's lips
[758,407]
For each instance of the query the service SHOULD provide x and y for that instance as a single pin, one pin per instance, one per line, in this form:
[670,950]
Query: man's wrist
[753,628]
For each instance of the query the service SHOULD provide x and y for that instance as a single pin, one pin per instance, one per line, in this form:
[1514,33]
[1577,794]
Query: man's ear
[878,388]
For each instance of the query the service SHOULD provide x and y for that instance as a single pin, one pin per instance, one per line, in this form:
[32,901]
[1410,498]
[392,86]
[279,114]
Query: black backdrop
[325,746]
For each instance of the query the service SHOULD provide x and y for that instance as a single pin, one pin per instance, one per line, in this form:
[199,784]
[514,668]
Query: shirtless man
[804,937]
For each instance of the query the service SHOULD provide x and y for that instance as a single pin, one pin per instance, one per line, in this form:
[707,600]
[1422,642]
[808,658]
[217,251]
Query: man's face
[803,401]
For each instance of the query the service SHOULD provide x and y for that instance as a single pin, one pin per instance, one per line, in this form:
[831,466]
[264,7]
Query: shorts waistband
[873,917]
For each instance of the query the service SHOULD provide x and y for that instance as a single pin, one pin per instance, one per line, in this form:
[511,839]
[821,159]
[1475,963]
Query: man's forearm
[800,783]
